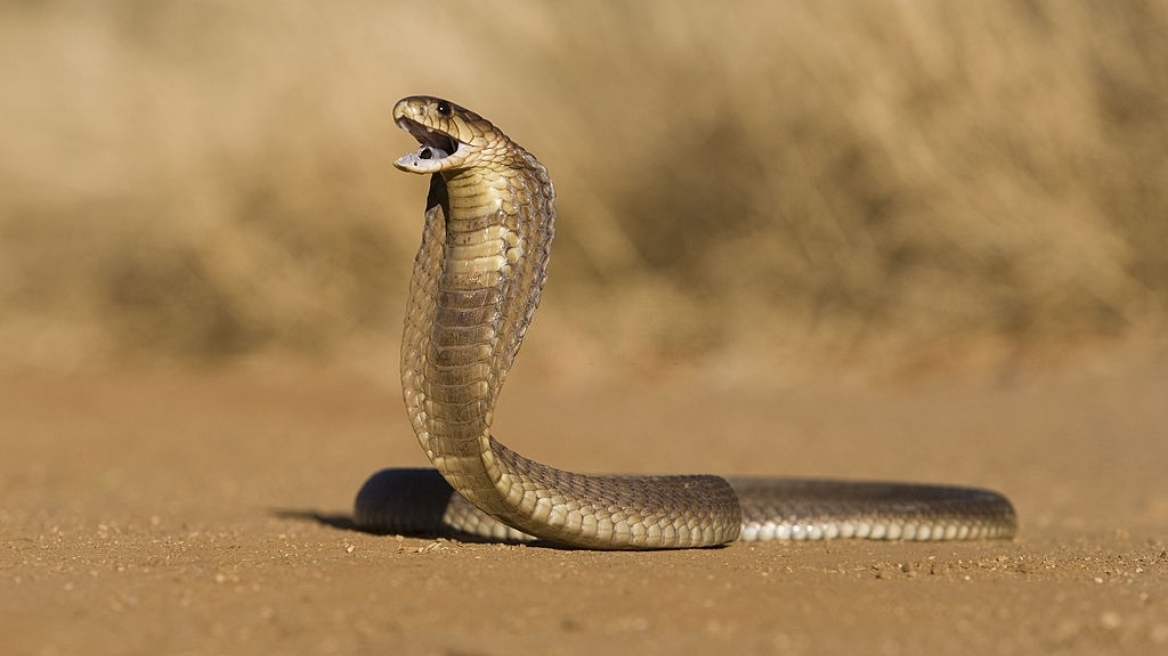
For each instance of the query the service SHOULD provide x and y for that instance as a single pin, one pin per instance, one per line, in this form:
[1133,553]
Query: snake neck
[477,281]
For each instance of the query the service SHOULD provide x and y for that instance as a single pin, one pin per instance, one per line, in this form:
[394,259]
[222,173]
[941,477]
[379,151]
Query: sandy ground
[205,513]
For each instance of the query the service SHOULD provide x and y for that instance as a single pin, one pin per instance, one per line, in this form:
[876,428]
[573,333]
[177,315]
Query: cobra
[477,280]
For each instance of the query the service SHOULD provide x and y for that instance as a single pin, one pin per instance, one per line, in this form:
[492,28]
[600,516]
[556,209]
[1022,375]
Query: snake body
[476,282]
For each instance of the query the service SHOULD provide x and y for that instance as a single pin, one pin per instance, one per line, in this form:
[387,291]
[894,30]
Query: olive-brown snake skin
[476,282]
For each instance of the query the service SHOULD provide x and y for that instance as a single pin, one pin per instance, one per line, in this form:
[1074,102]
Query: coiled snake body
[477,279]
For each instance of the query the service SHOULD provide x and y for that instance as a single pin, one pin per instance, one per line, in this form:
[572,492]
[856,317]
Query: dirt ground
[171,512]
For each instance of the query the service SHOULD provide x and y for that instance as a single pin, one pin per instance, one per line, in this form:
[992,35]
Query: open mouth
[435,146]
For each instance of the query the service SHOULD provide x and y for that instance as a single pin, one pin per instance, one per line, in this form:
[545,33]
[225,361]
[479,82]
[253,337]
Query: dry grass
[767,182]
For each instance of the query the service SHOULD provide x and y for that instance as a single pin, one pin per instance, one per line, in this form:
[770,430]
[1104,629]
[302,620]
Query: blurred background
[779,187]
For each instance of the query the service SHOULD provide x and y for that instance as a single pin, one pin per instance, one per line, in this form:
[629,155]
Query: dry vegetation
[795,181]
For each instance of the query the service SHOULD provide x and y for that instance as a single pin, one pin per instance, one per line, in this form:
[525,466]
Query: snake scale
[477,279]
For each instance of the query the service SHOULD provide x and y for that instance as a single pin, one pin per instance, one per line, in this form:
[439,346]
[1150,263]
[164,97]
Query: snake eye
[443,108]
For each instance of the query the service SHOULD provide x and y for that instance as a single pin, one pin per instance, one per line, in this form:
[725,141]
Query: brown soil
[196,513]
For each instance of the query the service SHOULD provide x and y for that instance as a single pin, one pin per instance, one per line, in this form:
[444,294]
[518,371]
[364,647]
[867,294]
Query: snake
[476,282]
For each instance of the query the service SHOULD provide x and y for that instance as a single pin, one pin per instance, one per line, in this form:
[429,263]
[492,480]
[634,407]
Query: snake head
[452,137]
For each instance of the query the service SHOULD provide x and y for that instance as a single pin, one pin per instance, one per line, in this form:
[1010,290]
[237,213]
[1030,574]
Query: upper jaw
[434,155]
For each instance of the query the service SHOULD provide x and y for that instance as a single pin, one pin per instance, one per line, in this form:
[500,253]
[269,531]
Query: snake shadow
[403,501]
